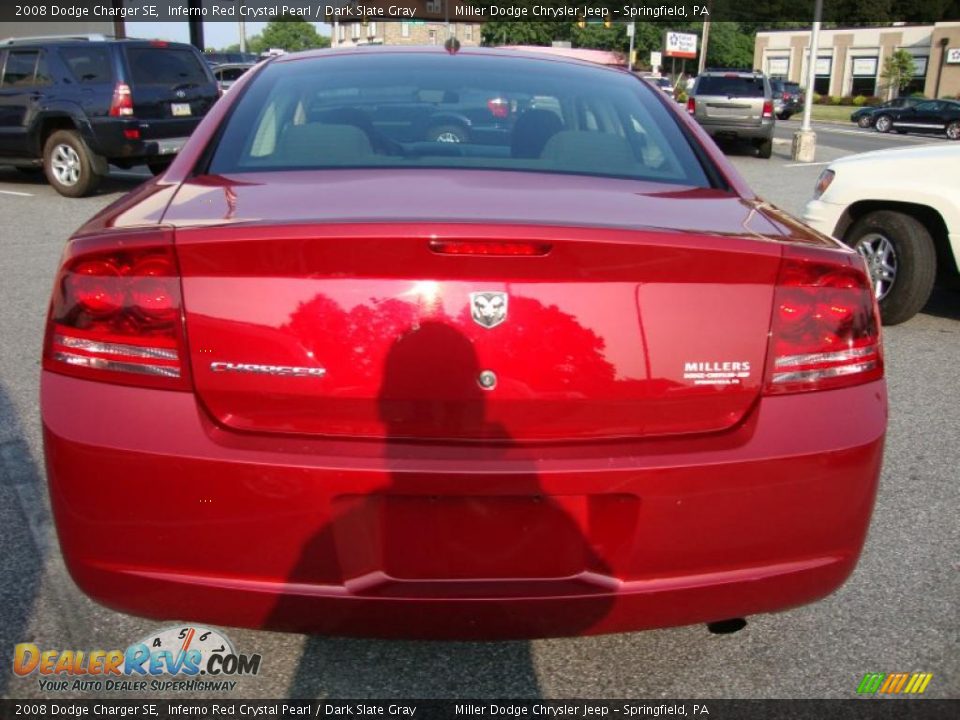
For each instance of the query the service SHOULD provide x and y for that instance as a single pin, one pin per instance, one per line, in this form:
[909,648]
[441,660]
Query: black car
[71,106]
[866,116]
[787,98]
[937,116]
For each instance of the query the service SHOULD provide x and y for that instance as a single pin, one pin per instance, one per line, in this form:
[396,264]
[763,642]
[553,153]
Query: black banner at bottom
[860,709]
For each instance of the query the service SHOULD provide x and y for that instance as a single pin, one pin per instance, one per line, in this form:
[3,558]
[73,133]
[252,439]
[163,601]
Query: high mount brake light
[825,331]
[486,247]
[116,313]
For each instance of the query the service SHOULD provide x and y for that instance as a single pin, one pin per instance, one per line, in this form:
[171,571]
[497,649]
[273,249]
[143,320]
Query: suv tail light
[691,106]
[116,313]
[768,108]
[499,107]
[825,331]
[122,103]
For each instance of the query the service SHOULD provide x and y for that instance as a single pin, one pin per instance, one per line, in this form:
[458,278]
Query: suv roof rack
[754,71]
[90,37]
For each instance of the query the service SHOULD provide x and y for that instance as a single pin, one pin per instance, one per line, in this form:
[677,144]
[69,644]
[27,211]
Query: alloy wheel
[881,259]
[65,164]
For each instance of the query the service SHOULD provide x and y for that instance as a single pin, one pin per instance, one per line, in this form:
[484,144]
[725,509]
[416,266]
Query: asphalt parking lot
[899,612]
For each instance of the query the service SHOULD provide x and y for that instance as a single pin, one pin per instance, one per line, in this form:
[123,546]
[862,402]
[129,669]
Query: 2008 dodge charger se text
[338,372]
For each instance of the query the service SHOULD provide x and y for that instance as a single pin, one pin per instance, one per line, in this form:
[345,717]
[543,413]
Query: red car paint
[594,488]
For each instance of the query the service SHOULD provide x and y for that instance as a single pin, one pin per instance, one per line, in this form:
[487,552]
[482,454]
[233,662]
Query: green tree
[898,70]
[289,33]
[729,46]
[505,32]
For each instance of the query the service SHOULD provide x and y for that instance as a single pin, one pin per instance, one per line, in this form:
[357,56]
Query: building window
[355,31]
[821,83]
[919,82]
[468,32]
[342,33]
[433,6]
[405,29]
[864,71]
[778,67]
[433,37]
[372,30]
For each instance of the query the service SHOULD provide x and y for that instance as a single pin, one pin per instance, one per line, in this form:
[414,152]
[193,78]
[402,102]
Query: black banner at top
[767,12]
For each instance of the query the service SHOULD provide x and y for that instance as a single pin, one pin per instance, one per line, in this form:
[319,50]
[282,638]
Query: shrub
[859,101]
[817,98]
[836,100]
[681,96]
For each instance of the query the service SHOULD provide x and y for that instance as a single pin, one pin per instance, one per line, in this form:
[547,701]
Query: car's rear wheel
[765,148]
[70,166]
[953,130]
[158,167]
[864,121]
[447,134]
[884,124]
[901,259]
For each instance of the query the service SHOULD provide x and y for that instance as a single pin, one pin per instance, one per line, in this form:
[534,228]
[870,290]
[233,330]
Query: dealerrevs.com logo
[181,658]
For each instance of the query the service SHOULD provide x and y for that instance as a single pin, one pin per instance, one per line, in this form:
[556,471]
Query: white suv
[901,210]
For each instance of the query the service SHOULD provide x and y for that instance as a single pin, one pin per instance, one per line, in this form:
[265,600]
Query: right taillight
[122,103]
[691,106]
[825,331]
[115,315]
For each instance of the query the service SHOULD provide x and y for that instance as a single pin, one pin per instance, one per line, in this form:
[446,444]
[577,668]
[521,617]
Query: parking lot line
[13,192]
[809,164]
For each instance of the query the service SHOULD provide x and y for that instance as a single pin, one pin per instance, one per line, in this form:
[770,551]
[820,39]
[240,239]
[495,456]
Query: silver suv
[735,103]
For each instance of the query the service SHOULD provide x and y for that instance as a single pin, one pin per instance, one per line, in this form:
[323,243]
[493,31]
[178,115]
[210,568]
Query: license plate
[180,109]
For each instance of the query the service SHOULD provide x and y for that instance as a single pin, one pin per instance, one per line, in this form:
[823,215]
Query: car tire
[158,167]
[864,121]
[906,245]
[953,130]
[884,124]
[447,134]
[765,148]
[70,166]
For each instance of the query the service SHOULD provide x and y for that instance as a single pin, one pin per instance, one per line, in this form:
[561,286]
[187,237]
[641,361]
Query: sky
[215,34]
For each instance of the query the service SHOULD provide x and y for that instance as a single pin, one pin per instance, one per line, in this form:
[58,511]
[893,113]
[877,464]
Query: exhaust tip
[727,627]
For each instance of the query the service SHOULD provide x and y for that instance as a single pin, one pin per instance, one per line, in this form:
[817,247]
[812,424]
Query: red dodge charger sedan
[470,344]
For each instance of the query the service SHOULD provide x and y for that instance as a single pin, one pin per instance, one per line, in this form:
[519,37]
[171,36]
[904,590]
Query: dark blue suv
[71,106]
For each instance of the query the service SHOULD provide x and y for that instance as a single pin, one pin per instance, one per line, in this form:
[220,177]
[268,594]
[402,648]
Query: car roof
[534,55]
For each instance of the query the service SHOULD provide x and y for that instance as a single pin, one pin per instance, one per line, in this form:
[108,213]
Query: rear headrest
[590,152]
[532,131]
[323,144]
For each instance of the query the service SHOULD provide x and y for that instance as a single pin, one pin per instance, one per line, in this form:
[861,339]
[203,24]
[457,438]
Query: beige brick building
[394,32]
[850,60]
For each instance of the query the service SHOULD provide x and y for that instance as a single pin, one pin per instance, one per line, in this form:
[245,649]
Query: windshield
[393,110]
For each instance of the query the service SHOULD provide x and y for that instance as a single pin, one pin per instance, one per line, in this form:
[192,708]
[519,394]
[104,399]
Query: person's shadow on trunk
[471,534]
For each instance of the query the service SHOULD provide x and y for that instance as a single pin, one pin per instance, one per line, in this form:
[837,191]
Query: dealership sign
[953,56]
[681,45]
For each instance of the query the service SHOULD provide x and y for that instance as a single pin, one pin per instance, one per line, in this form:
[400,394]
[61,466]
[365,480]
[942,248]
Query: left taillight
[116,312]
[768,108]
[121,105]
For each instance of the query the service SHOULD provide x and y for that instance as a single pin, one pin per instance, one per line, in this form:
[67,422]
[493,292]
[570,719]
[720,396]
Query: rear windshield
[165,66]
[733,86]
[437,110]
[88,64]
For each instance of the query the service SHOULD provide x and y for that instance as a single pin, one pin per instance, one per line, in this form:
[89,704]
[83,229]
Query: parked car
[866,116]
[228,74]
[661,82]
[230,58]
[936,116]
[735,104]
[548,386]
[900,210]
[787,98]
[72,106]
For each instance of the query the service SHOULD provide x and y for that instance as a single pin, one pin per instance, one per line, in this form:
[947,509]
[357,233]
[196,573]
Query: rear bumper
[110,142]
[753,132]
[161,513]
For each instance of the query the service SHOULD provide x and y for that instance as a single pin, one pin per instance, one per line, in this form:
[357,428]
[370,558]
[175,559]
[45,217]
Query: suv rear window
[88,64]
[730,86]
[418,110]
[165,66]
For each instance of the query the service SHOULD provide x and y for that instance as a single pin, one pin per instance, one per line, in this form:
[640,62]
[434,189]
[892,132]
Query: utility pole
[805,139]
[631,31]
[243,35]
[703,47]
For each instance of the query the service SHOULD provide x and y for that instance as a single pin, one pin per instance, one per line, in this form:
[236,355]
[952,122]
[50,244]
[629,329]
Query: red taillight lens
[116,312]
[825,329]
[691,106]
[131,133]
[499,107]
[768,108]
[122,103]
